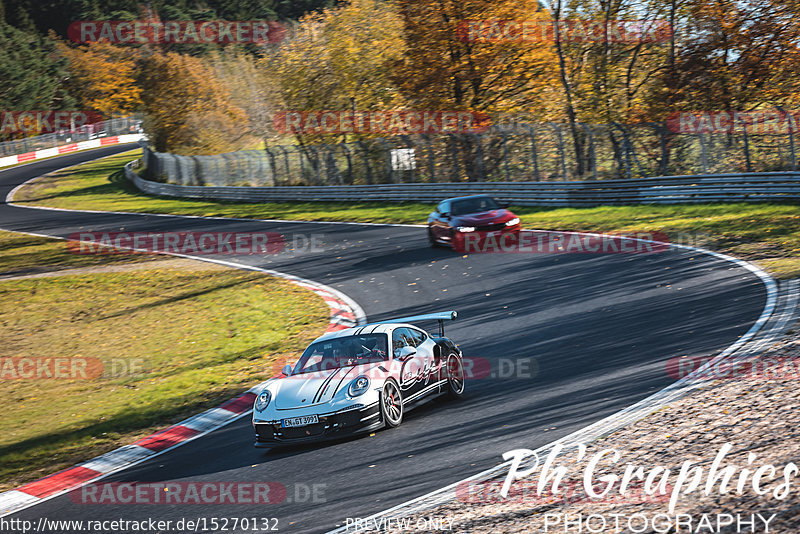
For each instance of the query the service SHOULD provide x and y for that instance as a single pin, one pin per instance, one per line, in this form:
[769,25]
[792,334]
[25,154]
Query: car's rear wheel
[391,404]
[455,376]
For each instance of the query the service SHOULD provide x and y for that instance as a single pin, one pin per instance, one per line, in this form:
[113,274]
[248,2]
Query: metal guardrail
[755,187]
[98,130]
[517,152]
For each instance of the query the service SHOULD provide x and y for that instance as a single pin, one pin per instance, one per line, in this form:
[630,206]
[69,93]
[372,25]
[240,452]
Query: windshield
[473,205]
[343,352]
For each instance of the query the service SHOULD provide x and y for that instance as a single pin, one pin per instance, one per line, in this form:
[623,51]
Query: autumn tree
[448,66]
[188,110]
[340,59]
[442,70]
[736,55]
[104,76]
[250,87]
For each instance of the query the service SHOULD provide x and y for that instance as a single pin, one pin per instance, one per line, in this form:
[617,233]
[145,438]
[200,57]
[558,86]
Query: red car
[471,219]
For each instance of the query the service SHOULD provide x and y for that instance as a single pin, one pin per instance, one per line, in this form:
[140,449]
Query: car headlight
[513,221]
[358,386]
[262,401]
[466,229]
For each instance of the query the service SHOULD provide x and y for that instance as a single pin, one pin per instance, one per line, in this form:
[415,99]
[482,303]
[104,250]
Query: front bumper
[505,237]
[330,426]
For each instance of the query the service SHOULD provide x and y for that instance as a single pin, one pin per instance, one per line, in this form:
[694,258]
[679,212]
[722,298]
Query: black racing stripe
[335,391]
[318,394]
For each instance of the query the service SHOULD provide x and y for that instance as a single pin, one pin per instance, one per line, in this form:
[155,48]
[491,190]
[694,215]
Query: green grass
[22,254]
[200,337]
[766,233]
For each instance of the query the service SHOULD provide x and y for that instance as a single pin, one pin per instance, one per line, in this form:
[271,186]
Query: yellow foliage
[188,110]
[104,75]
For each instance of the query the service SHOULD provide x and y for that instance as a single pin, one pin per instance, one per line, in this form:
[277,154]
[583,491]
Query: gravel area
[757,413]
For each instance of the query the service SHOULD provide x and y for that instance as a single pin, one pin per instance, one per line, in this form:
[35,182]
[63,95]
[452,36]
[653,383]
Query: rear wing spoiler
[438,316]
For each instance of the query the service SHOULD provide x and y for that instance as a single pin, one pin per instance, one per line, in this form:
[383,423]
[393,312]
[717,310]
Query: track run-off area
[568,339]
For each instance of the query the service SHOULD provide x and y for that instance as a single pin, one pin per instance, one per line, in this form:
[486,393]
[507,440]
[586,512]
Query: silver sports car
[358,380]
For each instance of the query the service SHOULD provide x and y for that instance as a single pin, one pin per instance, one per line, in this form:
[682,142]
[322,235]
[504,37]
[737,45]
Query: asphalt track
[582,336]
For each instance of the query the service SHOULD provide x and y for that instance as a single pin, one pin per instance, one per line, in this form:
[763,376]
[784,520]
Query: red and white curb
[344,313]
[72,147]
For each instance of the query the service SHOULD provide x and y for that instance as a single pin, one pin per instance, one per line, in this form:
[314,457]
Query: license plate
[303,420]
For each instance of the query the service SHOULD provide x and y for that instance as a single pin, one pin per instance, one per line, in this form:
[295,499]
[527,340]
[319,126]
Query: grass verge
[766,233]
[195,335]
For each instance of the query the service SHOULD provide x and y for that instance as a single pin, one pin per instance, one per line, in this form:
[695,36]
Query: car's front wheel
[391,404]
[432,239]
[455,376]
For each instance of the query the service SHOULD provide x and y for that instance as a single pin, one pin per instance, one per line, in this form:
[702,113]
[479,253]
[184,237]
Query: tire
[431,239]
[455,376]
[391,404]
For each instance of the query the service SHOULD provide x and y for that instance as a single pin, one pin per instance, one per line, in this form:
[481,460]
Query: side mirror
[445,215]
[503,205]
[404,352]
[287,369]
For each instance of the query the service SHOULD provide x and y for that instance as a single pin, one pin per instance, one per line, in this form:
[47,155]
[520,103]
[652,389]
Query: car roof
[469,196]
[379,328]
